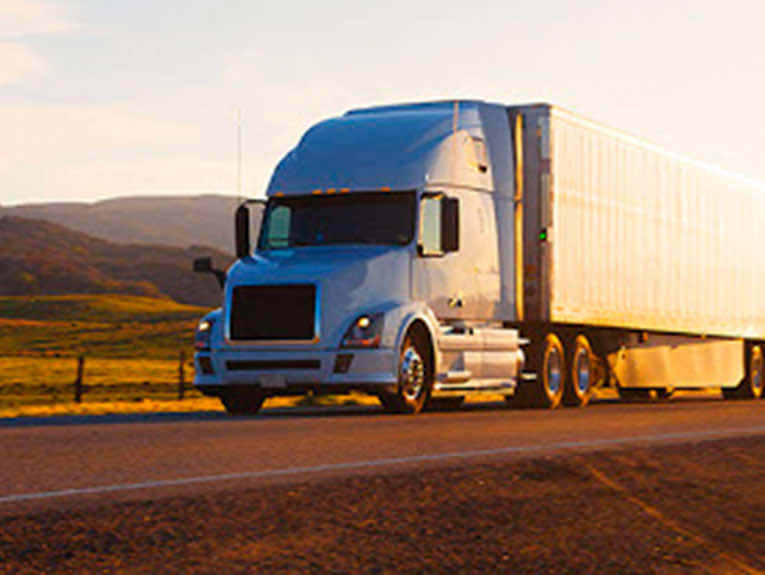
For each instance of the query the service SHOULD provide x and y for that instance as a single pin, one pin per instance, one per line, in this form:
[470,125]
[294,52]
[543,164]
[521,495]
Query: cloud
[25,18]
[55,132]
[18,61]
[20,21]
[58,151]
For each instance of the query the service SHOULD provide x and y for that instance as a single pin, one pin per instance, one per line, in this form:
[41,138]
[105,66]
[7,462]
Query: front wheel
[414,376]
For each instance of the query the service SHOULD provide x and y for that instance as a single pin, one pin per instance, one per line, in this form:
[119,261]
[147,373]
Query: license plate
[273,380]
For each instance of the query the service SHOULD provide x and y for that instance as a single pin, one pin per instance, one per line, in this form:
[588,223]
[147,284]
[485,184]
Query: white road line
[385,462]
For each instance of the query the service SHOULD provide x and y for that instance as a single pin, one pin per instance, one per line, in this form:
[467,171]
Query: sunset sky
[107,98]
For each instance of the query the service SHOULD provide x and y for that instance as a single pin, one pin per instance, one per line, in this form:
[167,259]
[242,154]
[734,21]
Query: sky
[106,98]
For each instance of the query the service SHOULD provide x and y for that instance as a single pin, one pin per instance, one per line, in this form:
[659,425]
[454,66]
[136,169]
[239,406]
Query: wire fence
[47,380]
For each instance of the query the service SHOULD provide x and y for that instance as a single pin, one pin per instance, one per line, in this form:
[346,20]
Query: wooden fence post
[181,375]
[78,382]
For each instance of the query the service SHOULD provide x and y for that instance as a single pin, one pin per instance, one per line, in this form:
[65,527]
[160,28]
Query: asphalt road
[50,464]
[676,487]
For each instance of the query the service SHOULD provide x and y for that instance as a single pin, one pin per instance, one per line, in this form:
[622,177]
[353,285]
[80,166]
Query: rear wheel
[546,391]
[415,377]
[752,385]
[578,387]
[242,402]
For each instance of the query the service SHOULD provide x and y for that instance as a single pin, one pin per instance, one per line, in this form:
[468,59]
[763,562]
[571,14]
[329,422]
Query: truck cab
[384,265]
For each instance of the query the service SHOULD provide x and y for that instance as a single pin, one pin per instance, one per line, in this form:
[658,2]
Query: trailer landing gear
[752,385]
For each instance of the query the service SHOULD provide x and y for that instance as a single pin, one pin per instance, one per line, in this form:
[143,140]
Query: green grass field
[131,347]
[104,326]
[106,308]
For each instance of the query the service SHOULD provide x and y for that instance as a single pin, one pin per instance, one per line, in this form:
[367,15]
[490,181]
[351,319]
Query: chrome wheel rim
[412,374]
[582,364]
[553,371]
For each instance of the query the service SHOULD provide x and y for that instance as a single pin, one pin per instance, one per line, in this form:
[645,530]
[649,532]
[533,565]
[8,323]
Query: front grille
[273,312]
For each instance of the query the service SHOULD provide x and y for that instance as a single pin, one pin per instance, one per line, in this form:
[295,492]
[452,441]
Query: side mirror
[205,266]
[450,225]
[242,231]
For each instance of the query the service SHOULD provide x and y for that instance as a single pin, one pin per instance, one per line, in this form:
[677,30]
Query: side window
[279,227]
[430,225]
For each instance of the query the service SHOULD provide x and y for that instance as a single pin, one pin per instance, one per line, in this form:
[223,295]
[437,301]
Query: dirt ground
[695,508]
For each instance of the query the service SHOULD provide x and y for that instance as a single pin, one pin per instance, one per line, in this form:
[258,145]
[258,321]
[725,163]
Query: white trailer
[426,252]
[642,251]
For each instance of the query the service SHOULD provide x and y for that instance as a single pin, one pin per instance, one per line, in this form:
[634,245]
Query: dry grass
[34,382]
[111,407]
[53,371]
[131,344]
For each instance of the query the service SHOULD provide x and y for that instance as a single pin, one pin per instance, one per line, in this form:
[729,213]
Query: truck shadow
[339,411]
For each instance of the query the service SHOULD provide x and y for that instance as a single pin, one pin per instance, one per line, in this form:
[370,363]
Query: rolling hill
[39,257]
[172,221]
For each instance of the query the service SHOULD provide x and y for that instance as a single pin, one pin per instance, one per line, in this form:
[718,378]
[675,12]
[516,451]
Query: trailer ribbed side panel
[644,239]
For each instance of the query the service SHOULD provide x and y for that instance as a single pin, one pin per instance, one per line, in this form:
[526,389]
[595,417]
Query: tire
[577,390]
[444,404]
[634,394]
[546,391]
[415,376]
[242,402]
[752,385]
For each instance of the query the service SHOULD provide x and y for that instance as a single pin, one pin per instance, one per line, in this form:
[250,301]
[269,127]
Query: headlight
[203,334]
[366,331]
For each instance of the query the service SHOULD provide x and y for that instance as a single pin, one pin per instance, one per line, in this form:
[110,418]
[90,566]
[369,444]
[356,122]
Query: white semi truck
[427,252]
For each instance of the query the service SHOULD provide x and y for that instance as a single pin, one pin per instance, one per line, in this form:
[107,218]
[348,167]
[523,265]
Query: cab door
[441,278]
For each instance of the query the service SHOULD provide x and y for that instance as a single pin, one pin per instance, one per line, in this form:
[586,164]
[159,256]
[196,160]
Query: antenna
[455,125]
[239,153]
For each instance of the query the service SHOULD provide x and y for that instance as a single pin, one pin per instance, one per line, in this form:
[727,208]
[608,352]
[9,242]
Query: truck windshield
[358,218]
